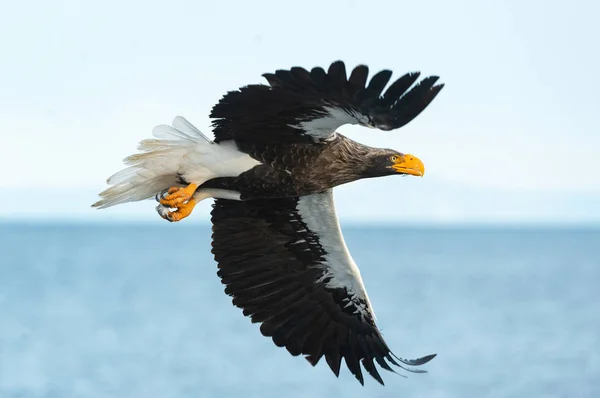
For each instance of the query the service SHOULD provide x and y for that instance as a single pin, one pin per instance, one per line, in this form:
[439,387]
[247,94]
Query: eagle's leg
[177,198]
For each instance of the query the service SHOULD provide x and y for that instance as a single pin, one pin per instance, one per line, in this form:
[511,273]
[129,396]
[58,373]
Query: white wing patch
[323,127]
[318,212]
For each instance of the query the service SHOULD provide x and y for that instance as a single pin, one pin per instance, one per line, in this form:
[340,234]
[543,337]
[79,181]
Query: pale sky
[514,136]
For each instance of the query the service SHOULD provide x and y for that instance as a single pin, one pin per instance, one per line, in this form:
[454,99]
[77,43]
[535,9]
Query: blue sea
[138,311]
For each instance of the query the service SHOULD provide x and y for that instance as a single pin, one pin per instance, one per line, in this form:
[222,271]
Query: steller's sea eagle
[271,169]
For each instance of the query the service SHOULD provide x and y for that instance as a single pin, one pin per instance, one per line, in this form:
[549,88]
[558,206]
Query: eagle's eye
[393,158]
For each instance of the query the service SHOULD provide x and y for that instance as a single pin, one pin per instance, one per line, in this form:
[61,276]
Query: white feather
[323,127]
[177,150]
[181,123]
[318,212]
[205,193]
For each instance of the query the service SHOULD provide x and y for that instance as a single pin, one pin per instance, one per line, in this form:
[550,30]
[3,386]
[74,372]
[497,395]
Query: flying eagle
[271,169]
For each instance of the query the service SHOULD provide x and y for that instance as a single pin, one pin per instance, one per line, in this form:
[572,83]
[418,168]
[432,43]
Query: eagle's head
[385,162]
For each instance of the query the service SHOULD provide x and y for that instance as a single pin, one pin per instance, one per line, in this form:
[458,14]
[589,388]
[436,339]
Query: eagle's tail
[160,165]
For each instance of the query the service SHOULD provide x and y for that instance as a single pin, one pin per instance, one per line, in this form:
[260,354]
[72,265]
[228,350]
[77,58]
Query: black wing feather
[337,75]
[422,95]
[359,75]
[372,370]
[258,115]
[275,282]
[319,77]
[378,83]
[399,87]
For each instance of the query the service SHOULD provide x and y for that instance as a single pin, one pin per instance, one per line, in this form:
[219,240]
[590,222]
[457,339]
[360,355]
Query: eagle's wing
[286,265]
[301,106]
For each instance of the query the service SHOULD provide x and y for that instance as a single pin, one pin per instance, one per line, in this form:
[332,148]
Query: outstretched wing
[302,106]
[286,265]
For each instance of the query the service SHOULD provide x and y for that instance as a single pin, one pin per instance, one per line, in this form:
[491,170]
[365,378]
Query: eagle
[271,168]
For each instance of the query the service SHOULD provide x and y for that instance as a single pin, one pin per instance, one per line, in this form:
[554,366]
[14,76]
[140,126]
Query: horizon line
[360,223]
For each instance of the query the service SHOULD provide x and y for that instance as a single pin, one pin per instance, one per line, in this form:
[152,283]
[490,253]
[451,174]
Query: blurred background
[491,260]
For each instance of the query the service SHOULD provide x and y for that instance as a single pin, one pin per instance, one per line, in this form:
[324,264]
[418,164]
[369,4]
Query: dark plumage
[280,252]
[267,256]
[304,169]
[272,167]
[258,117]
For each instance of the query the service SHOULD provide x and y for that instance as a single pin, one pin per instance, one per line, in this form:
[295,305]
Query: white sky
[517,123]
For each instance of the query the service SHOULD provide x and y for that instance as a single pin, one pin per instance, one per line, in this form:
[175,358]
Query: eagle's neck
[346,161]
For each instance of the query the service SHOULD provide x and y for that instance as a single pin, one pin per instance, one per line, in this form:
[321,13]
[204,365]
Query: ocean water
[138,311]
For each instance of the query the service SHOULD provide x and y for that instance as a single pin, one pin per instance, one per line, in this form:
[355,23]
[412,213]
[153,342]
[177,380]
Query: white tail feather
[179,151]
[183,125]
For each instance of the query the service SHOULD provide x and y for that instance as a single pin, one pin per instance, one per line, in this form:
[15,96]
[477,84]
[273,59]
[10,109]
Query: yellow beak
[409,164]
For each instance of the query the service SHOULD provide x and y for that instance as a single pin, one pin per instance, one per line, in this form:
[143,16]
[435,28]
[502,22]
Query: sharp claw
[164,193]
[164,212]
[180,211]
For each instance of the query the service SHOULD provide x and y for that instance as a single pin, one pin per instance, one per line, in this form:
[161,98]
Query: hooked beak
[409,164]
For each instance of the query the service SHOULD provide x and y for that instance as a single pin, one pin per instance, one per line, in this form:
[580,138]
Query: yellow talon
[181,211]
[178,198]
[175,196]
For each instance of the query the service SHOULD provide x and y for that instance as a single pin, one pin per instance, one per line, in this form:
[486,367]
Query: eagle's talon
[163,211]
[165,193]
[176,196]
[180,211]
